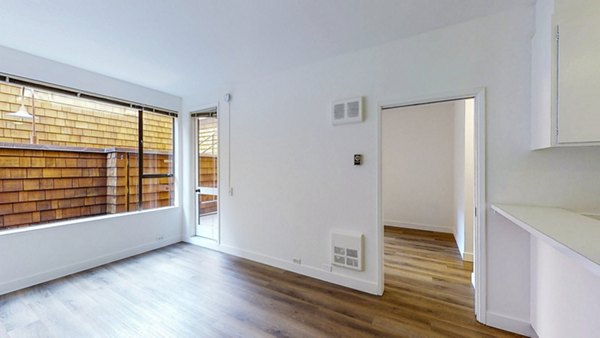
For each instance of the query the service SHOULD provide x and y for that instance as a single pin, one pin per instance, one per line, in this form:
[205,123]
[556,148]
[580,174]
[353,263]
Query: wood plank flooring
[187,291]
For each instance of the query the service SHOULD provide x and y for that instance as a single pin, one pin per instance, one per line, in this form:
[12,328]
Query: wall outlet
[297,260]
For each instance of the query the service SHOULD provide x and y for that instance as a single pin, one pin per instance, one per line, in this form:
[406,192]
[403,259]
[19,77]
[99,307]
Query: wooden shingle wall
[207,172]
[42,186]
[70,121]
[122,182]
[89,170]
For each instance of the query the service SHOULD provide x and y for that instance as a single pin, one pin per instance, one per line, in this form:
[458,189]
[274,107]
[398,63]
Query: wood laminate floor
[187,291]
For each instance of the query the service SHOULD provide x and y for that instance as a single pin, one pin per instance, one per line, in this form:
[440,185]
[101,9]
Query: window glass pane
[157,192]
[207,164]
[63,120]
[122,180]
[158,143]
[158,160]
[76,158]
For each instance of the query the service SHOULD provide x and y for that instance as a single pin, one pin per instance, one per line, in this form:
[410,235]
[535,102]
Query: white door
[207,174]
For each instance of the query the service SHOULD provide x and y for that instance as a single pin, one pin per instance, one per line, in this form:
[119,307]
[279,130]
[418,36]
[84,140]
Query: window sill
[55,225]
[50,147]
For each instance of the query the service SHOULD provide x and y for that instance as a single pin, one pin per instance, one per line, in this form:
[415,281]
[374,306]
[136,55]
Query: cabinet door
[578,73]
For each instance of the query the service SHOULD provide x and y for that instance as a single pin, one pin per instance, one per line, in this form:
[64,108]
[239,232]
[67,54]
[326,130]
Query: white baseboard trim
[509,323]
[419,226]
[49,275]
[310,271]
[466,256]
[592,215]
[204,242]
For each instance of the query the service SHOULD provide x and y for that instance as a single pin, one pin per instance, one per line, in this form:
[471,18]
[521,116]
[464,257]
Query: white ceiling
[182,46]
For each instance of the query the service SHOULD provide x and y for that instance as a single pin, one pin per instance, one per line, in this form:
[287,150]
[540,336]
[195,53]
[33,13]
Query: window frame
[141,175]
[140,108]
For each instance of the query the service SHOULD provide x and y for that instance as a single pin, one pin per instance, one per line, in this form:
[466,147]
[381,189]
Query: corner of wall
[509,323]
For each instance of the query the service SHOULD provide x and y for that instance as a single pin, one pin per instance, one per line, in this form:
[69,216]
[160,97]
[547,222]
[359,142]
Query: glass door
[207,174]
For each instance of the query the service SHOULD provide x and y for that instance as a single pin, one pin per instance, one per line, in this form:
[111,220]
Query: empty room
[269,168]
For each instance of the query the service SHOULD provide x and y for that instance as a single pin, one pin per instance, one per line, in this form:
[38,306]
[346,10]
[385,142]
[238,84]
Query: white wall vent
[347,249]
[347,111]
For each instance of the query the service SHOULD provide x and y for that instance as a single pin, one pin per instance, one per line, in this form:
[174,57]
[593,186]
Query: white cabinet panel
[565,74]
[578,80]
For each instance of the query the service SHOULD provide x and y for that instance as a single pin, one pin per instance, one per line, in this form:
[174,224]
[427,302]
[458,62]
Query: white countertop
[575,235]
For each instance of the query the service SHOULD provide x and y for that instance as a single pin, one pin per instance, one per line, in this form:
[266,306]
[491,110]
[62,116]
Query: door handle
[198,190]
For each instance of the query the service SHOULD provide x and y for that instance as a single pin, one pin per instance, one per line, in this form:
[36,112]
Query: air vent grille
[347,248]
[347,111]
[353,109]
[339,112]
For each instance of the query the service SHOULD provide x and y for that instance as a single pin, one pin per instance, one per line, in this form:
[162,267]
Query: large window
[157,178]
[66,155]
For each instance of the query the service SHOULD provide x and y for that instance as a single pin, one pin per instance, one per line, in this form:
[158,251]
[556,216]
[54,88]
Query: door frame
[194,127]
[479,221]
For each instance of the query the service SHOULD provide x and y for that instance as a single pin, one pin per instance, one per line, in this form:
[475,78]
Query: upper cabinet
[565,84]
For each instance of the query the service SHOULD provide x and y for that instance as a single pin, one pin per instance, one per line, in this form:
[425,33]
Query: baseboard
[418,226]
[204,242]
[310,271]
[592,215]
[509,324]
[49,275]
[466,256]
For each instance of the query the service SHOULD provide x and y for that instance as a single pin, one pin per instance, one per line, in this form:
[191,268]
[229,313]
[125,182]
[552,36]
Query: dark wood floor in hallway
[187,291]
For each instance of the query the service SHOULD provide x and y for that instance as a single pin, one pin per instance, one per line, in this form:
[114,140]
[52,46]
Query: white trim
[480,199]
[306,270]
[468,257]
[379,205]
[193,225]
[205,108]
[178,165]
[592,215]
[509,323]
[480,223]
[77,221]
[418,226]
[219,166]
[66,270]
[204,242]
[194,197]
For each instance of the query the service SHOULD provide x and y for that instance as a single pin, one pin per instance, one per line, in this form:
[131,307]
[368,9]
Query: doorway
[206,154]
[439,202]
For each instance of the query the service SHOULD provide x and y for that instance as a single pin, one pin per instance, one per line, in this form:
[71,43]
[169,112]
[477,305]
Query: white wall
[458,224]
[293,175]
[565,297]
[464,176]
[469,234]
[47,253]
[43,253]
[508,275]
[13,62]
[541,74]
[417,165]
